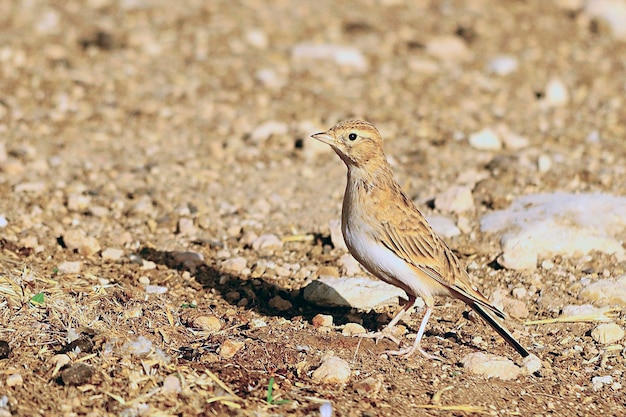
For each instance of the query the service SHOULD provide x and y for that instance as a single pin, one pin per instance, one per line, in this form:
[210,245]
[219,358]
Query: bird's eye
[352,136]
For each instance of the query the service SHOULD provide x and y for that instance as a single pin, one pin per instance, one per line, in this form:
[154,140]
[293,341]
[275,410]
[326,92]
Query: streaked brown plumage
[389,236]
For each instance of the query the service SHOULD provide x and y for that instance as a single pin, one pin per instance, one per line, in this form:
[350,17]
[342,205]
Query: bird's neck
[376,174]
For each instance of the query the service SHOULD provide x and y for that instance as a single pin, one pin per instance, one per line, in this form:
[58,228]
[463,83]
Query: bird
[389,236]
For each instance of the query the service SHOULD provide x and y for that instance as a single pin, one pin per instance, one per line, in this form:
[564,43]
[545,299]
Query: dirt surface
[172,129]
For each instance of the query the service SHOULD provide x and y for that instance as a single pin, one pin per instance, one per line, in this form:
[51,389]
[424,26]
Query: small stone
[327,271]
[349,266]
[556,93]
[322,320]
[78,202]
[171,385]
[14,380]
[155,289]
[613,12]
[447,48]
[186,227]
[3,221]
[598,382]
[456,199]
[606,292]
[503,65]
[444,226]
[140,346]
[235,265]
[531,364]
[77,374]
[35,187]
[280,304]
[77,240]
[69,267]
[607,333]
[369,386]
[491,366]
[336,235]
[351,329]
[512,306]
[358,292]
[266,130]
[519,292]
[333,370]
[485,140]
[267,241]
[205,322]
[257,323]
[544,163]
[189,260]
[230,348]
[257,38]
[112,254]
[341,55]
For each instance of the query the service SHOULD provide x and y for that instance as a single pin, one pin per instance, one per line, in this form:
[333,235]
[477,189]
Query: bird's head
[358,143]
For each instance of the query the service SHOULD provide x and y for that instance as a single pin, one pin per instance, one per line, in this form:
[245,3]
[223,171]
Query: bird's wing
[422,248]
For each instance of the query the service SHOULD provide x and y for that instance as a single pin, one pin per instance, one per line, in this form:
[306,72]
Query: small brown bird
[388,235]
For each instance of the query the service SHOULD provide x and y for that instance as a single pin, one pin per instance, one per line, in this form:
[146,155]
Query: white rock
[171,385]
[607,333]
[322,320]
[186,227]
[491,366]
[582,310]
[599,382]
[155,289]
[503,64]
[237,264]
[140,346]
[456,199]
[339,54]
[606,292]
[70,267]
[14,380]
[448,48]
[513,140]
[267,241]
[350,329]
[544,163]
[333,370]
[257,38]
[531,364]
[444,226]
[268,129]
[546,225]
[612,12]
[3,221]
[336,235]
[359,292]
[78,202]
[349,266]
[485,140]
[326,409]
[556,93]
[112,254]
[79,241]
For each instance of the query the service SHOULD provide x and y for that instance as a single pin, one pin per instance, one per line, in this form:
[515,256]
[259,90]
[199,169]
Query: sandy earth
[160,128]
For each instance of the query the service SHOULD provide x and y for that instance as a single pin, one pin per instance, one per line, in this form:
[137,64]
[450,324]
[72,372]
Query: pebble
[598,382]
[70,267]
[35,187]
[336,235]
[448,48]
[485,140]
[369,386]
[280,304]
[613,12]
[333,370]
[512,306]
[349,266]
[544,163]
[5,349]
[443,225]
[322,320]
[140,346]
[77,240]
[491,366]
[456,199]
[112,254]
[257,38]
[186,227]
[531,364]
[3,221]
[77,374]
[189,260]
[351,329]
[503,64]
[359,292]
[236,265]
[230,348]
[78,202]
[512,140]
[607,292]
[327,271]
[205,322]
[545,225]
[14,380]
[171,385]
[326,409]
[339,54]
[556,93]
[267,241]
[266,130]
[607,333]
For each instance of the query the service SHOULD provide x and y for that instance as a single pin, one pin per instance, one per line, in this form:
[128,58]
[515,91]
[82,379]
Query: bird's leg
[408,351]
[387,331]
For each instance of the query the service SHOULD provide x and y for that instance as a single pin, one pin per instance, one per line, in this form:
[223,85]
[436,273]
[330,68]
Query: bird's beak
[324,137]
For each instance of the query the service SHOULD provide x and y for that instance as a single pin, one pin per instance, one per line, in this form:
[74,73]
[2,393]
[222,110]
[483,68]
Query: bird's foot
[408,351]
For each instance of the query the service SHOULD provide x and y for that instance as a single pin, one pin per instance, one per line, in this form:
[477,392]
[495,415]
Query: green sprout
[270,398]
[38,300]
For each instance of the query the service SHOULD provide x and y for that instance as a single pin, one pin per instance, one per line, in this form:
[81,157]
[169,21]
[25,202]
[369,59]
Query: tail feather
[502,331]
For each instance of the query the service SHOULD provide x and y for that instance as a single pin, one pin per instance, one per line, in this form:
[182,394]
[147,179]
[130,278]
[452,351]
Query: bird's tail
[502,331]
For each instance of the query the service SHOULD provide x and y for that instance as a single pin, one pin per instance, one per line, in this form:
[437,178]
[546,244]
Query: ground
[161,128]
